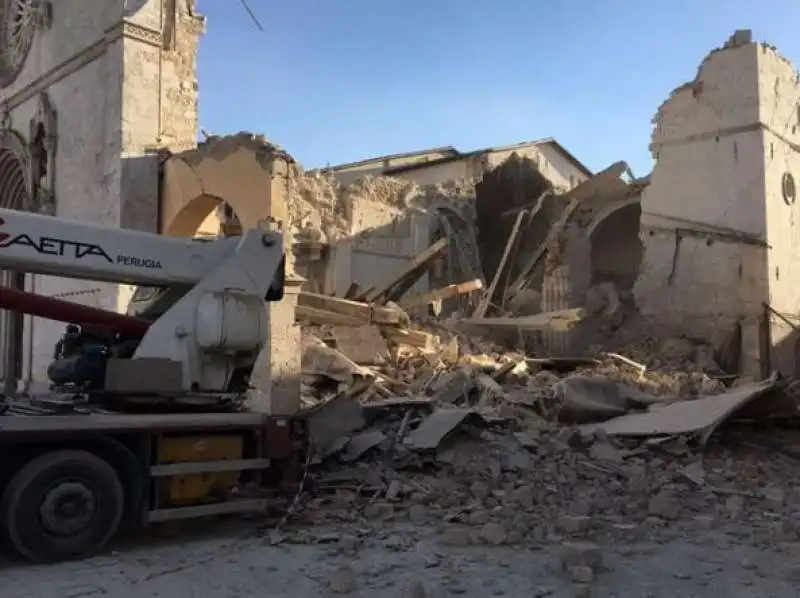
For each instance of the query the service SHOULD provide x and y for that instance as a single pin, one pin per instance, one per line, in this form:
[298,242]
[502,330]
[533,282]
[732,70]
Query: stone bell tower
[89,89]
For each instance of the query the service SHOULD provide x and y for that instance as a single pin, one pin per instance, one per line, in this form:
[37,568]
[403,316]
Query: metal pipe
[70,313]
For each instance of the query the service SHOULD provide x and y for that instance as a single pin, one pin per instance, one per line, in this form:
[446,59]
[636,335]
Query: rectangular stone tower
[720,221]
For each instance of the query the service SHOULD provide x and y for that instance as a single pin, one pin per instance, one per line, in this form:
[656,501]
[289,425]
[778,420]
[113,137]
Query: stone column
[285,351]
[276,375]
[564,287]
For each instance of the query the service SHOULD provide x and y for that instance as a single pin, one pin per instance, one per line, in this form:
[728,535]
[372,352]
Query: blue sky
[339,80]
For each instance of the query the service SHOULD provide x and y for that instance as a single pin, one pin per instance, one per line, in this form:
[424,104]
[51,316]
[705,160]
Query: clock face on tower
[18,21]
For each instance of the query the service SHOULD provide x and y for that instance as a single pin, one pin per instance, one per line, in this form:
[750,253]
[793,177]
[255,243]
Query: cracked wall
[720,240]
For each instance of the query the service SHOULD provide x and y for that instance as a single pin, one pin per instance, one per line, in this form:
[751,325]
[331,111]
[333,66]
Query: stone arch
[14,162]
[616,248]
[242,171]
[189,220]
[252,177]
[14,195]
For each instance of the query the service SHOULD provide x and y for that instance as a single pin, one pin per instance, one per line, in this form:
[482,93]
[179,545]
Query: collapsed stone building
[716,214]
[702,248]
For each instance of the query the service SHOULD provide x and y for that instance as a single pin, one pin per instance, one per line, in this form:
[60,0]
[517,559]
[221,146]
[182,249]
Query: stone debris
[530,406]
[489,446]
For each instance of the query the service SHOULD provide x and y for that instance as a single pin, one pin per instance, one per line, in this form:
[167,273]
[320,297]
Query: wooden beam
[553,320]
[321,316]
[480,311]
[540,252]
[452,290]
[414,338]
[409,275]
[356,309]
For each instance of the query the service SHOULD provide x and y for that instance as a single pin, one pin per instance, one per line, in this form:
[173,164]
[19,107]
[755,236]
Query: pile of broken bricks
[418,421]
[496,448]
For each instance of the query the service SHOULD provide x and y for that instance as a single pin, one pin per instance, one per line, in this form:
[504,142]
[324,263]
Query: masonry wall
[720,239]
[779,114]
[376,167]
[118,91]
[74,62]
[382,241]
[454,170]
[562,173]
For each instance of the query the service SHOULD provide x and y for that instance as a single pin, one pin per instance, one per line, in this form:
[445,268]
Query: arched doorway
[14,195]
[615,244]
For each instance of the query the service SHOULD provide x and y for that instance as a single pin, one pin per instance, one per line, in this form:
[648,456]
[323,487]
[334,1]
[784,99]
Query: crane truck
[144,420]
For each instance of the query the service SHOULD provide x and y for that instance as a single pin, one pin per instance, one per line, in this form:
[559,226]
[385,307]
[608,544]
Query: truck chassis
[68,483]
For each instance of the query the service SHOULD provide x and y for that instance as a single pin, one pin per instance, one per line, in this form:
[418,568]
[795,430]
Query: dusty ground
[412,562]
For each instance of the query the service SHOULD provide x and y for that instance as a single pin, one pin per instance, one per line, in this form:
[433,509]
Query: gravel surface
[411,562]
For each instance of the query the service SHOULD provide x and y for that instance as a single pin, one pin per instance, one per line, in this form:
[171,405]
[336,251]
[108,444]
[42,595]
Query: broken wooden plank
[536,205]
[397,403]
[413,338]
[540,252]
[409,275]
[321,316]
[554,320]
[355,309]
[452,290]
[504,369]
[480,311]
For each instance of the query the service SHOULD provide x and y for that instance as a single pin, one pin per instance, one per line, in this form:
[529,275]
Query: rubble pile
[443,423]
[540,408]
[317,201]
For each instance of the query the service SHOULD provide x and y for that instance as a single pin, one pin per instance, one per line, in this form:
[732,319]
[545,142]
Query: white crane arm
[45,245]
[218,322]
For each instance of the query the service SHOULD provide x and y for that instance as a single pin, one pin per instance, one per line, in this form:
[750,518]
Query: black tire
[32,508]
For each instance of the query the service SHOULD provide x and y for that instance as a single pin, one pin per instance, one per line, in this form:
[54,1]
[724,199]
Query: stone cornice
[122,30]
[130,30]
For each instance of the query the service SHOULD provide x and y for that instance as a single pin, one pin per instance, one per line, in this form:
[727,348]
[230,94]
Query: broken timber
[396,287]
[322,309]
[480,311]
[530,265]
[447,292]
[553,320]
[362,312]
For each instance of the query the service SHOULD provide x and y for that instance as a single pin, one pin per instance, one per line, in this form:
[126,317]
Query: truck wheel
[62,505]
